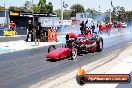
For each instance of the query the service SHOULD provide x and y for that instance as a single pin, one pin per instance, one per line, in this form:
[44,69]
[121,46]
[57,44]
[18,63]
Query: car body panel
[124,25]
[85,35]
[83,43]
[59,53]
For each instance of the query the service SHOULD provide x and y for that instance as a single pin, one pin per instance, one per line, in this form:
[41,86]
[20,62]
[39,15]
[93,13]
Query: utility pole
[99,8]
[110,15]
[5,22]
[33,11]
[5,10]
[63,5]
[62,15]
[4,7]
[110,10]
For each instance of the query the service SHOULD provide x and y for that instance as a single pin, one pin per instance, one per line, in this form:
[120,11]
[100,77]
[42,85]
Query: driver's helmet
[71,36]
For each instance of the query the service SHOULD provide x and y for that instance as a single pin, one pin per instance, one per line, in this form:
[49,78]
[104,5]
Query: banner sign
[14,13]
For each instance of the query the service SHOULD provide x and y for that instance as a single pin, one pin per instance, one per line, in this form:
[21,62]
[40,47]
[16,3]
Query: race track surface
[22,69]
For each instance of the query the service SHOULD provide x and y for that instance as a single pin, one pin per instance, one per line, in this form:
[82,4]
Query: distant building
[4,18]
[83,17]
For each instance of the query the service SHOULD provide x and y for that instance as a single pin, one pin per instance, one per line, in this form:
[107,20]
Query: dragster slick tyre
[81,80]
[51,47]
[99,44]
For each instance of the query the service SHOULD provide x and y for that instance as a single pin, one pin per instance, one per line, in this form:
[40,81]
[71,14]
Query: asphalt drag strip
[108,54]
[29,68]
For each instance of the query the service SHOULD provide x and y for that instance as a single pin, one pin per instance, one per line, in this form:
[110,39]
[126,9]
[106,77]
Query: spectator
[82,27]
[119,27]
[93,28]
[12,25]
[30,30]
[86,23]
[108,28]
[38,30]
[100,28]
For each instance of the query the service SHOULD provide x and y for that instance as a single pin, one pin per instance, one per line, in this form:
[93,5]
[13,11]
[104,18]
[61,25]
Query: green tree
[13,8]
[58,12]
[2,8]
[92,12]
[45,8]
[128,15]
[20,8]
[49,8]
[36,9]
[28,6]
[76,8]
[17,8]
[42,6]
[67,14]
[118,13]
[107,16]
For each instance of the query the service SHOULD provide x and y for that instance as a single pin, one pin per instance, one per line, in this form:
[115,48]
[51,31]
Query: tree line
[40,7]
[118,13]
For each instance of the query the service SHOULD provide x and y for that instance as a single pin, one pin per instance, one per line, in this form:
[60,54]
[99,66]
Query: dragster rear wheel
[51,47]
[99,45]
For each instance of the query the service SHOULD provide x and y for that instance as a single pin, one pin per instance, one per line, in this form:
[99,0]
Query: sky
[104,4]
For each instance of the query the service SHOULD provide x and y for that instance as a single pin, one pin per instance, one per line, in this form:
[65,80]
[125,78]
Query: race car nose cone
[52,55]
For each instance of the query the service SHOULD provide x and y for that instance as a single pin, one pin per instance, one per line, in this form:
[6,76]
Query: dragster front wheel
[99,45]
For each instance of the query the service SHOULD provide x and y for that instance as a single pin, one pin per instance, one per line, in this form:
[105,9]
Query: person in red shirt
[110,25]
[108,28]
[12,25]
[100,28]
[119,27]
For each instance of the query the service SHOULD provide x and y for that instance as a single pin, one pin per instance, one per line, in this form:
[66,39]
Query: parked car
[9,32]
[124,25]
